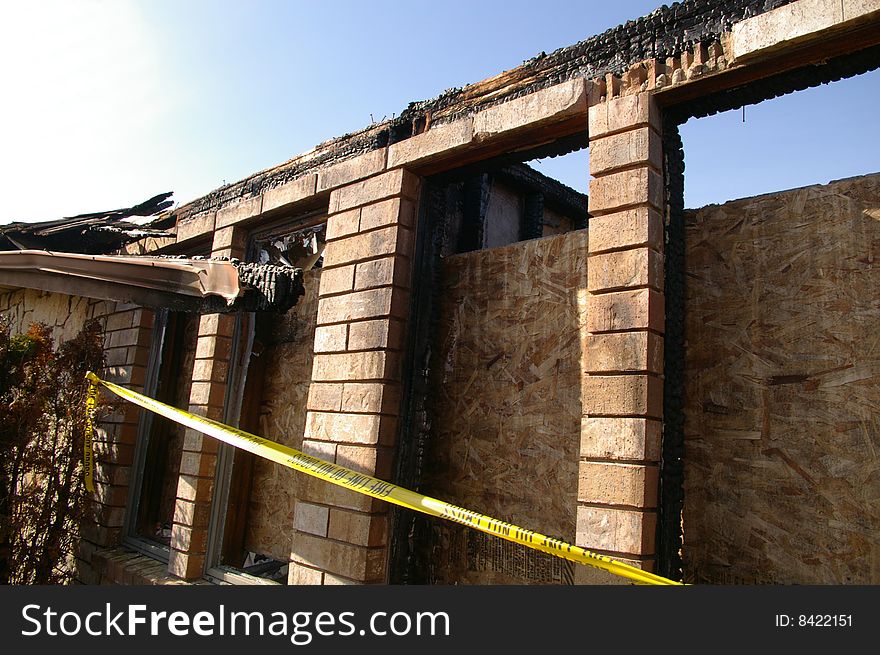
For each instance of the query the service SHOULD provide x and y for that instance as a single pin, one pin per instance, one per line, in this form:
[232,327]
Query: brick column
[623,353]
[198,461]
[341,537]
[127,334]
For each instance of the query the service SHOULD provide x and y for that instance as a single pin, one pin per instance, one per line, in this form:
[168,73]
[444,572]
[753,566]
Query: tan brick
[240,211]
[616,530]
[622,310]
[622,395]
[210,370]
[229,253]
[311,518]
[336,280]
[348,560]
[331,338]
[118,374]
[320,449]
[393,183]
[373,397]
[115,356]
[394,211]
[189,540]
[632,228]
[787,25]
[366,459]
[383,272]
[358,528]
[205,347]
[624,351]
[192,514]
[325,397]
[199,464]
[435,144]
[641,145]
[386,241]
[317,491]
[640,267]
[351,170]
[194,227]
[611,483]
[193,488]
[373,365]
[589,575]
[119,321]
[369,335]
[112,495]
[207,393]
[551,105]
[351,428]
[620,438]
[229,237]
[357,428]
[297,574]
[115,453]
[623,113]
[616,191]
[112,474]
[372,303]
[290,192]
[188,567]
[129,337]
[208,347]
[338,580]
[343,224]
[206,444]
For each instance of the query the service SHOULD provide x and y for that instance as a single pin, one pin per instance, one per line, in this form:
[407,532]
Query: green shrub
[42,426]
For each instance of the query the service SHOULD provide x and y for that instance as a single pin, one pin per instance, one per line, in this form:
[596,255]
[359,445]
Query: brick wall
[198,464]
[623,353]
[354,398]
[127,333]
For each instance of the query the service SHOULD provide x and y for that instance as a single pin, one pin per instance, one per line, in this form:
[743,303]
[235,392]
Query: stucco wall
[64,314]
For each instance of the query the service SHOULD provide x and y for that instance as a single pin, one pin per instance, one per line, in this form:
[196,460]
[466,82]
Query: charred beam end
[268,288]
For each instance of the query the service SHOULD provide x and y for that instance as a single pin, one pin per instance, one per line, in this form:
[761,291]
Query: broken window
[252,517]
[503,203]
[302,248]
[160,442]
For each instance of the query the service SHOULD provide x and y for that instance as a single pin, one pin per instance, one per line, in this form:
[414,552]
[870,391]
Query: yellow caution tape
[370,486]
[88,454]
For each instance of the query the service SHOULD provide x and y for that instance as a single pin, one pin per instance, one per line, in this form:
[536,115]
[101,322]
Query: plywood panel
[282,418]
[782,476]
[506,409]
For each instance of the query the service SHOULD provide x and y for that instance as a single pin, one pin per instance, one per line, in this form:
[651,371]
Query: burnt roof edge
[665,32]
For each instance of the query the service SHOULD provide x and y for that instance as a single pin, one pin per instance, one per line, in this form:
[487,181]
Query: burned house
[647,382]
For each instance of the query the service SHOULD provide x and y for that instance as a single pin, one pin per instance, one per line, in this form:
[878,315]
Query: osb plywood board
[282,418]
[506,411]
[782,476]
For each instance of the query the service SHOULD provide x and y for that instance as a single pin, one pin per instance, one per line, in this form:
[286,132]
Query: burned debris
[89,234]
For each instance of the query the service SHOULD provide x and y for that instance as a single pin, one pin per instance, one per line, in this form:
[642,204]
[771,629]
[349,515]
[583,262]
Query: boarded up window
[783,388]
[506,404]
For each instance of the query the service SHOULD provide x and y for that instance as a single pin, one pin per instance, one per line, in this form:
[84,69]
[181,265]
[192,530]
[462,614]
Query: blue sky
[108,103]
